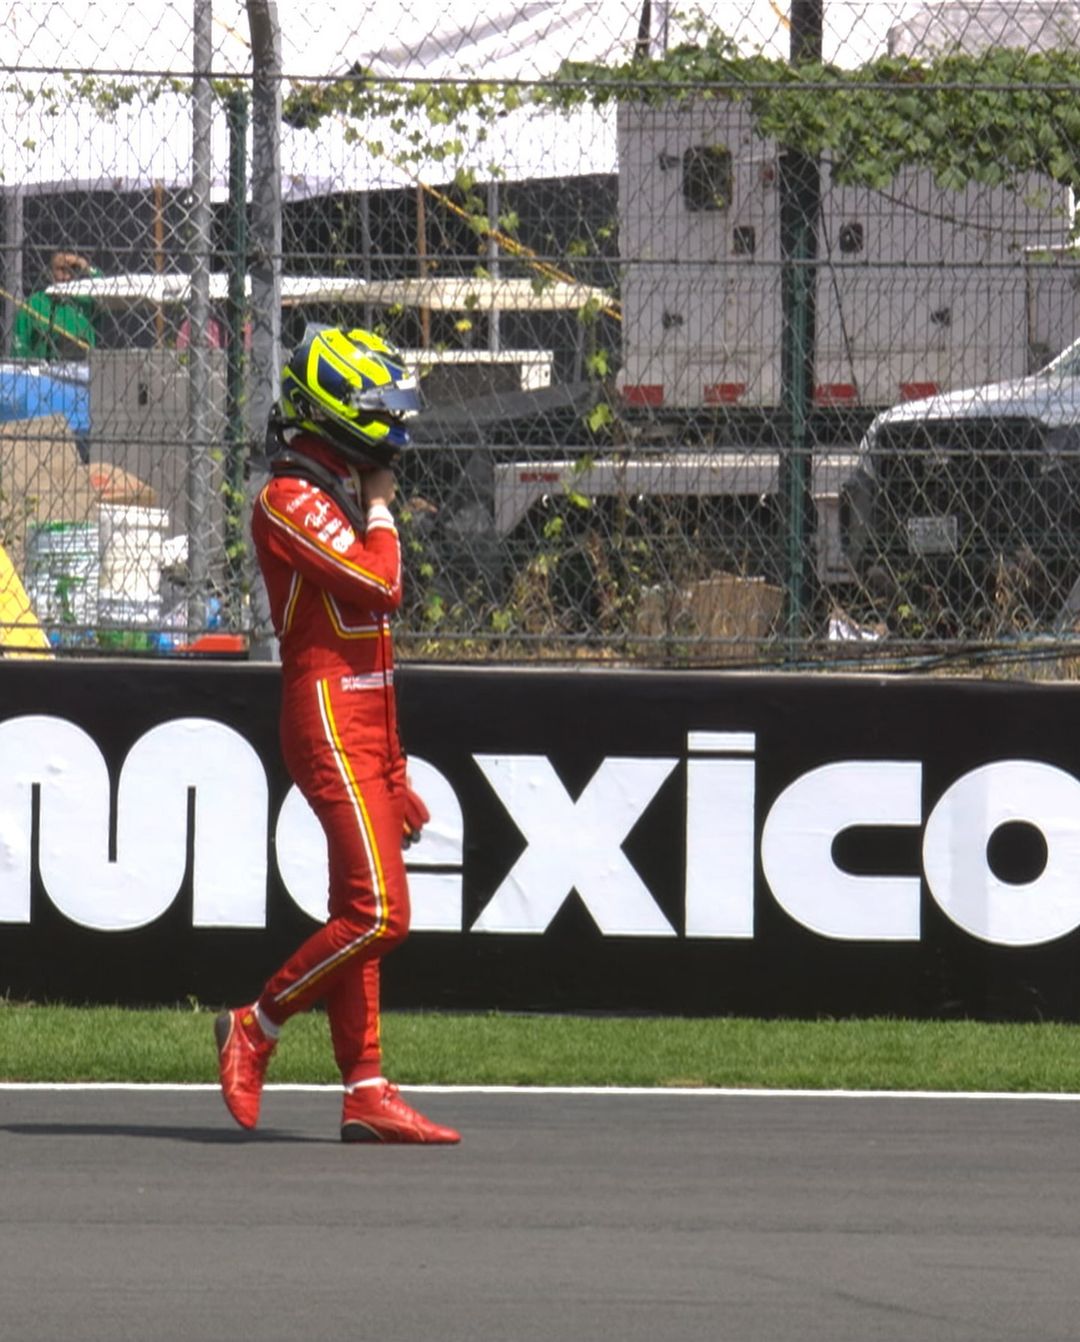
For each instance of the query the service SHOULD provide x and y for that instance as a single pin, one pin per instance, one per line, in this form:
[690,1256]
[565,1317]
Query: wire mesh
[745,334]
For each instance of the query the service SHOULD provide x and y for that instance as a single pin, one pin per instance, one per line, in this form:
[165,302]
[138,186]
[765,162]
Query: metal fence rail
[732,327]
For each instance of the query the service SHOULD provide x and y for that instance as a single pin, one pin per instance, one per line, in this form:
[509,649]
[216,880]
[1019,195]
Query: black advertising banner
[680,842]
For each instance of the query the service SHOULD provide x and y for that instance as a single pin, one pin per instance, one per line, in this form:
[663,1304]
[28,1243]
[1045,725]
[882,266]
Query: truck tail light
[644,393]
[723,393]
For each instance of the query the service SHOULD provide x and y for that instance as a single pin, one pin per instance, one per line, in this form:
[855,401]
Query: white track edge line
[657,1092]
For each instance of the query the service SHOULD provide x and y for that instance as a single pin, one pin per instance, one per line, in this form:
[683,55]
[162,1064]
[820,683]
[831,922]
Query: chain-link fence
[745,333]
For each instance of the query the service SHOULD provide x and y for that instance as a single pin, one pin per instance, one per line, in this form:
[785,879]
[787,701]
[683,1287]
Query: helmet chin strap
[276,424]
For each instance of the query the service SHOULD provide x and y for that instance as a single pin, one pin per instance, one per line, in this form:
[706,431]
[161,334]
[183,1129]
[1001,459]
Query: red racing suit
[331,591]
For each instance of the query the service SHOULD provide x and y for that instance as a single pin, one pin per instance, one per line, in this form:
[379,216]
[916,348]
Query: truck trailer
[919,288]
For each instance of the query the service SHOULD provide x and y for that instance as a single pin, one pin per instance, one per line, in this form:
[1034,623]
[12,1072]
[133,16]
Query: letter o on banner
[958,873]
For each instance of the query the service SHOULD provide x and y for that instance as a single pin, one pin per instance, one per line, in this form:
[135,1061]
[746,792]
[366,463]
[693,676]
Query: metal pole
[199,408]
[800,200]
[494,335]
[12,261]
[265,211]
[422,265]
[366,244]
[265,272]
[159,259]
[235,322]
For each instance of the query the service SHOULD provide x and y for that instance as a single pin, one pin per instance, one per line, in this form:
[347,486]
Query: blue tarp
[35,390]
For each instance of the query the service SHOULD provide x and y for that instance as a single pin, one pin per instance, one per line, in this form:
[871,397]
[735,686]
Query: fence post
[236,357]
[265,267]
[800,199]
[11,262]
[199,401]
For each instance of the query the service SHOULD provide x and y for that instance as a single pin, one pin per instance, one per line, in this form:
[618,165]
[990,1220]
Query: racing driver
[328,550]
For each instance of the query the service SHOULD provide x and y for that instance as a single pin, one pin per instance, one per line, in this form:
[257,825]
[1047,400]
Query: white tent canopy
[455,294]
[973,26]
[63,141]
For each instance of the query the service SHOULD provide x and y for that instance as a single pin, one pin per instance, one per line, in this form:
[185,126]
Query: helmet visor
[391,399]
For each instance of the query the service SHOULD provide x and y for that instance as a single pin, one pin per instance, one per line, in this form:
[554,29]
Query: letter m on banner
[116,885]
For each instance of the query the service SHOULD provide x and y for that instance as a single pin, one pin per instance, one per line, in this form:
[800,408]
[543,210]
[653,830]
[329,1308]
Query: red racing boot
[377,1113]
[243,1052]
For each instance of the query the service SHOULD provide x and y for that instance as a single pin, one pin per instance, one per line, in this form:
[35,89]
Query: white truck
[919,288]
[920,291]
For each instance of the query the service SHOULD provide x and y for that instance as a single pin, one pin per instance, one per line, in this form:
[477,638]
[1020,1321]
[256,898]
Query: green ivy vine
[990,118]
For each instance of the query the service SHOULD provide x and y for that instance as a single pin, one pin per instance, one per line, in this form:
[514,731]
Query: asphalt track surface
[145,1216]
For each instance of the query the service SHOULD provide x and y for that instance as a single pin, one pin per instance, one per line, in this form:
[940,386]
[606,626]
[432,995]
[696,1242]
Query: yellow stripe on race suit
[371,848]
[290,605]
[344,630]
[319,547]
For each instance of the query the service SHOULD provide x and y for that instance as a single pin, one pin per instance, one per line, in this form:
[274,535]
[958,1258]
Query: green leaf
[600,417]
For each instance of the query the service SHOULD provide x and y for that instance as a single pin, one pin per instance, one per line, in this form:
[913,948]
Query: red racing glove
[416,817]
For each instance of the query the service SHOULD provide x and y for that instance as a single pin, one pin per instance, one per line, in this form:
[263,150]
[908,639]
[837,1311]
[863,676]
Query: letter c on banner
[797,842]
[958,831]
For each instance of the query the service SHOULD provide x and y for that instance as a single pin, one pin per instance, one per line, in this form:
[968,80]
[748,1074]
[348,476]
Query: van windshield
[1067,363]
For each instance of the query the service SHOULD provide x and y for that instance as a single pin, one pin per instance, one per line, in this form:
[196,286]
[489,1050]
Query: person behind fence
[53,327]
[329,553]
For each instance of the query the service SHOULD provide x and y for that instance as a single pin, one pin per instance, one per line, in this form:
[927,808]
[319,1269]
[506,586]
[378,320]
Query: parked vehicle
[919,288]
[963,511]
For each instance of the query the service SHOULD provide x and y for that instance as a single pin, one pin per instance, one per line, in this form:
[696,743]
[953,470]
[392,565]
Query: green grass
[58,1043]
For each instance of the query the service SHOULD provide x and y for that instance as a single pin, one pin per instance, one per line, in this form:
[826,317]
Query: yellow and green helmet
[353,389]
